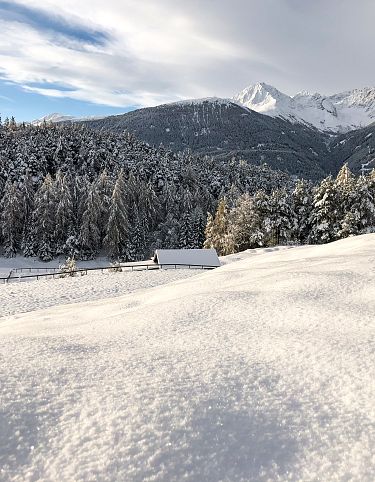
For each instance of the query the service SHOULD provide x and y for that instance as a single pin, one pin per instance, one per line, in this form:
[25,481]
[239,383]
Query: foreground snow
[259,370]
[23,297]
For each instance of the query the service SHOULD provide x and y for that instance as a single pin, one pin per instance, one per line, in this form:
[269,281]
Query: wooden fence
[56,272]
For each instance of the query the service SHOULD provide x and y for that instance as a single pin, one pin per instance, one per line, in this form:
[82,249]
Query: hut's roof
[198,257]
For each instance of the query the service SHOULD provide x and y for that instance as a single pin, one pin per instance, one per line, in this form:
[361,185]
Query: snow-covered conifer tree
[191,229]
[360,215]
[64,215]
[137,237]
[89,236]
[302,206]
[117,233]
[28,195]
[41,241]
[325,216]
[11,218]
[280,219]
[345,185]
[105,189]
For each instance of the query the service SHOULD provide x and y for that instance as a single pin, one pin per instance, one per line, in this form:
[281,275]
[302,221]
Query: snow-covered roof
[199,257]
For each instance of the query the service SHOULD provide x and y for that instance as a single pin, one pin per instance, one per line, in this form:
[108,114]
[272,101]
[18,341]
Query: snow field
[260,370]
[21,297]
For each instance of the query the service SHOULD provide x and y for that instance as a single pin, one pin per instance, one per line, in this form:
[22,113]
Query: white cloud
[164,50]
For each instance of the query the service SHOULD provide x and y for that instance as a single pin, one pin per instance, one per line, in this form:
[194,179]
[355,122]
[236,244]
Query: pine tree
[41,238]
[191,229]
[325,216]
[137,240]
[89,236]
[361,217]
[117,233]
[280,220]
[11,218]
[105,189]
[64,215]
[12,123]
[302,199]
[302,202]
[28,207]
[168,235]
[345,186]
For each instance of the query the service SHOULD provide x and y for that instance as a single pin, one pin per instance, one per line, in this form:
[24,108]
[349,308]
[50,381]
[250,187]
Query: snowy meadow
[258,370]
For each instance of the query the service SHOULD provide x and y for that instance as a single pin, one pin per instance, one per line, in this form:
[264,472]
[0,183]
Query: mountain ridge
[223,129]
[337,113]
[57,117]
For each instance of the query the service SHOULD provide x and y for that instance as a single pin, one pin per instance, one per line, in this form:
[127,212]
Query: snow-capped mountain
[57,117]
[336,113]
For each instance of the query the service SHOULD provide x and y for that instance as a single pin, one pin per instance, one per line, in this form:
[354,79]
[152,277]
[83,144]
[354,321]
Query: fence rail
[56,272]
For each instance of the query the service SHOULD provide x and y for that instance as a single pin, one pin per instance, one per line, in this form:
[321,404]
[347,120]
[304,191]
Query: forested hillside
[354,147]
[222,129]
[66,189]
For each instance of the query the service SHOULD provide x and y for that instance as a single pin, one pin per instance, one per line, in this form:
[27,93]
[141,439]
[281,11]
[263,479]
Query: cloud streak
[128,53]
[53,24]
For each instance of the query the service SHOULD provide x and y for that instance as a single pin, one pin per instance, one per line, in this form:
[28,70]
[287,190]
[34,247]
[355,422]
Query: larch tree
[216,232]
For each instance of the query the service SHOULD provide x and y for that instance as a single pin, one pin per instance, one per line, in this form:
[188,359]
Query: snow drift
[259,370]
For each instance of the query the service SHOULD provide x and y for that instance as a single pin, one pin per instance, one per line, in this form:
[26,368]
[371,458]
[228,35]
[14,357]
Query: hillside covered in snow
[56,118]
[335,113]
[258,370]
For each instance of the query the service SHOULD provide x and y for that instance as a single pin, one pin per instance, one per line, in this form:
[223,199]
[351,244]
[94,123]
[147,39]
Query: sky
[96,57]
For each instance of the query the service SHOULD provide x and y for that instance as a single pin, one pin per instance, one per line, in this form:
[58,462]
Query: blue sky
[98,57]
[27,106]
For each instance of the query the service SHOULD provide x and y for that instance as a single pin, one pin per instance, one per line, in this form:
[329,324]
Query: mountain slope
[56,118]
[223,129]
[355,148]
[259,370]
[336,113]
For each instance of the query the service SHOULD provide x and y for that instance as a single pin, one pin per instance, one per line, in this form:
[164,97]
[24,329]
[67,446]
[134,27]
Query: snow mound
[258,370]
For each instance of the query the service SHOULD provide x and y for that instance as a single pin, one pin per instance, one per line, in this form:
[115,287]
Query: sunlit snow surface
[260,370]
[21,297]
